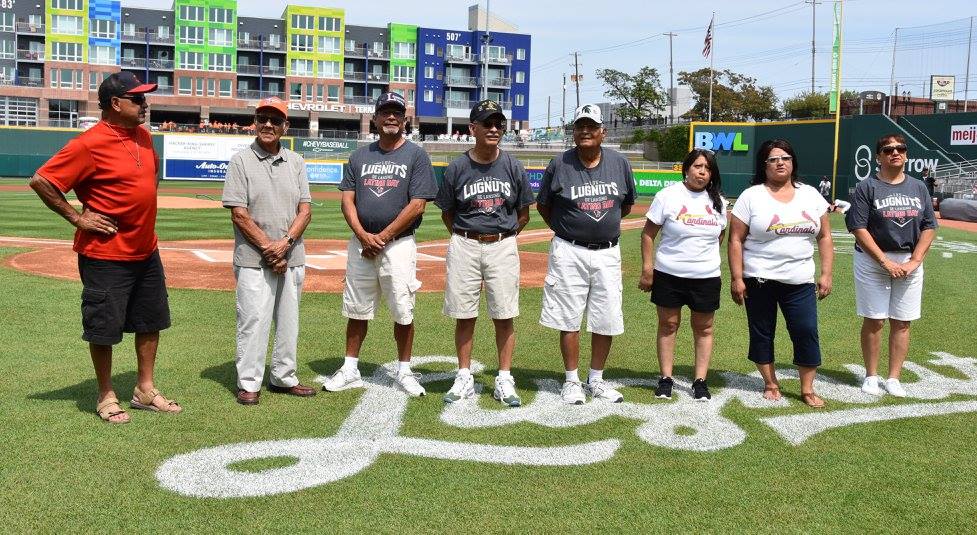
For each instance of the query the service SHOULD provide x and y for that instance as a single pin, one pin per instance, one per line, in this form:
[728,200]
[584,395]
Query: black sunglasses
[275,120]
[139,99]
[489,123]
[901,149]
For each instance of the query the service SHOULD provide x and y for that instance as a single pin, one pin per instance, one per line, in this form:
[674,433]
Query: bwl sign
[373,427]
[341,108]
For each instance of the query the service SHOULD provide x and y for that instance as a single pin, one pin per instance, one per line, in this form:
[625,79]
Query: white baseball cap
[588,111]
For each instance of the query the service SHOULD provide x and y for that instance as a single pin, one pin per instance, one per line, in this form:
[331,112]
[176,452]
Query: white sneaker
[343,379]
[505,391]
[599,389]
[572,393]
[463,388]
[871,385]
[408,381]
[894,387]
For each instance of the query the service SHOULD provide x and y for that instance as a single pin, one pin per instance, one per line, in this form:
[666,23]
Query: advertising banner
[200,157]
[310,147]
[963,134]
[324,171]
[650,182]
[942,87]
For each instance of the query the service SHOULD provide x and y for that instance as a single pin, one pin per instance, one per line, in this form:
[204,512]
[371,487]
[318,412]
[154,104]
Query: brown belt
[484,238]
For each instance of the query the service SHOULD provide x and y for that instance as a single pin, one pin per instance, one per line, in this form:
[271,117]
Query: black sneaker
[664,389]
[700,392]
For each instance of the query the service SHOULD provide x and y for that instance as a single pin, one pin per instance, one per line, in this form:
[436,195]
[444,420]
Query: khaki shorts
[392,274]
[878,296]
[470,263]
[579,279]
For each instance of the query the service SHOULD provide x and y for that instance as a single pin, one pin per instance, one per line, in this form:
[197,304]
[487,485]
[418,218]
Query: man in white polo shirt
[583,196]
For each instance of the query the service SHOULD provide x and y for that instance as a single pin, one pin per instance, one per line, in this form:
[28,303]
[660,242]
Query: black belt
[593,246]
[404,235]
[484,238]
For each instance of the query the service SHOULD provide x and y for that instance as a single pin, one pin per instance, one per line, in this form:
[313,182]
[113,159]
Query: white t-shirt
[690,229]
[780,241]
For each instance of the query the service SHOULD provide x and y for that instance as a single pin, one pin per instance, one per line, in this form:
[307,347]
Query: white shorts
[578,278]
[879,296]
[392,273]
[470,263]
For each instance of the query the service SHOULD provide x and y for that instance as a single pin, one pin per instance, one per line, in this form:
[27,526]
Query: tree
[674,143]
[641,93]
[735,97]
[807,106]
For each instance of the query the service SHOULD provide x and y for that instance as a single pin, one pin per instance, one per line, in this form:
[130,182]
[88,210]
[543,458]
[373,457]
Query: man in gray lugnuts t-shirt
[485,197]
[894,214]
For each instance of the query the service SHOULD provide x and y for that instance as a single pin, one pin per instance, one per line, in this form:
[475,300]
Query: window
[194,13]
[350,45]
[66,51]
[220,62]
[410,97]
[495,52]
[244,36]
[319,93]
[7,49]
[104,29]
[520,77]
[66,25]
[191,60]
[6,22]
[429,49]
[275,41]
[329,44]
[333,93]
[18,111]
[102,55]
[328,69]
[66,4]
[520,54]
[163,80]
[200,86]
[303,22]
[220,37]
[129,29]
[301,43]
[329,24]
[191,35]
[429,72]
[295,91]
[163,32]
[403,73]
[221,15]
[348,92]
[405,50]
[459,52]
[428,95]
[301,67]
[225,88]
[66,76]
[520,100]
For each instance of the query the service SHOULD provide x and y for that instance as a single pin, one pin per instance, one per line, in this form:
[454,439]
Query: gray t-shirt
[271,188]
[485,198]
[385,182]
[894,214]
[586,203]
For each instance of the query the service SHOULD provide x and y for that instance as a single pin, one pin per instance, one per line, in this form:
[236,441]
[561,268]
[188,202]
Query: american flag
[707,43]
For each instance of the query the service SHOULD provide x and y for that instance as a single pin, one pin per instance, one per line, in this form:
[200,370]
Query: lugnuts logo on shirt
[380,177]
[808,225]
[703,220]
[594,198]
[898,208]
[486,194]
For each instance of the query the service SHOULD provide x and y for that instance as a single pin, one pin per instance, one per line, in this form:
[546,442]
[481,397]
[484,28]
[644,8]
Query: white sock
[595,375]
[572,376]
[505,374]
[464,372]
[403,367]
[351,363]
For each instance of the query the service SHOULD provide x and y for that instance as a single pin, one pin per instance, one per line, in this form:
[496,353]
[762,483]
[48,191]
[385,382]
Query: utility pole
[576,74]
[814,19]
[671,80]
[485,52]
[892,75]
[548,98]
[563,115]
[966,80]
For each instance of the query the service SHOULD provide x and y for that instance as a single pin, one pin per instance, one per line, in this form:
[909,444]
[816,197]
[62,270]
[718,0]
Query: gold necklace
[136,156]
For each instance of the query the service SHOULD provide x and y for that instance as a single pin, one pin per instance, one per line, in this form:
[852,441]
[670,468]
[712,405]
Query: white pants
[392,273]
[263,296]
[470,263]
[577,279]
[879,296]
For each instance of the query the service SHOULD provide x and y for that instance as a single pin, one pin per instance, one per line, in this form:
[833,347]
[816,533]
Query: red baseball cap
[274,103]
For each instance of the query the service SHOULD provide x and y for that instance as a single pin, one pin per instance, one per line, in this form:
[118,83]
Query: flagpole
[841,33]
[712,54]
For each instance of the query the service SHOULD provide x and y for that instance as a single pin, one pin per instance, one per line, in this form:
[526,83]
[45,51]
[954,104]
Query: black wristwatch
[291,240]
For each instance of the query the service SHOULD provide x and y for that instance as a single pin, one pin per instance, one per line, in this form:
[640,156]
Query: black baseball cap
[121,83]
[390,99]
[485,109]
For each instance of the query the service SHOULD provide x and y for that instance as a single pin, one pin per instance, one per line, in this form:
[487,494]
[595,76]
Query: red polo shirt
[100,165]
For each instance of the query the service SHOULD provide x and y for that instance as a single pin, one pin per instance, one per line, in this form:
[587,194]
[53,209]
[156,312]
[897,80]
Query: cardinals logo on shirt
[899,209]
[703,220]
[808,225]
[595,198]
[381,177]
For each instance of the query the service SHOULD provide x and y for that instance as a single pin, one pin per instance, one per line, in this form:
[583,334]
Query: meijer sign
[963,134]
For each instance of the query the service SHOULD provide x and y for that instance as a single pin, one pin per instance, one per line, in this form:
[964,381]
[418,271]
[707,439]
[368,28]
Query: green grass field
[65,469]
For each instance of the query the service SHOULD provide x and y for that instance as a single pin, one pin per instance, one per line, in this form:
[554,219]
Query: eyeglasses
[901,149]
[391,111]
[775,159]
[273,119]
[138,100]
[489,123]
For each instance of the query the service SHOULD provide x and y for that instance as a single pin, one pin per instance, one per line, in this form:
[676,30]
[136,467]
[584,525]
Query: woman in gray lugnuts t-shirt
[894,224]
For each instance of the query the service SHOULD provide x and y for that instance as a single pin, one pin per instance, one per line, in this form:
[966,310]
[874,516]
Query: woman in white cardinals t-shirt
[690,217]
[773,227]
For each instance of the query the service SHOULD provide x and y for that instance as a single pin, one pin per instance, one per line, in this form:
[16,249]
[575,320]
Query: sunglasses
[138,100]
[775,159]
[489,123]
[273,119]
[391,111]
[901,149]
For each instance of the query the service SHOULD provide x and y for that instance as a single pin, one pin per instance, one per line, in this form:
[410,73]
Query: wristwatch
[291,240]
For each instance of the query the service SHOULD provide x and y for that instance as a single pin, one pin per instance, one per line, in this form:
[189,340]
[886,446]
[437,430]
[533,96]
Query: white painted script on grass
[373,428]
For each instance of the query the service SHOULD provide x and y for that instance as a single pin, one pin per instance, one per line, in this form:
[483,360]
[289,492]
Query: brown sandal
[812,400]
[144,400]
[103,409]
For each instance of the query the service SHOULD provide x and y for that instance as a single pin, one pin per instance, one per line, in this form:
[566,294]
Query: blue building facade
[103,31]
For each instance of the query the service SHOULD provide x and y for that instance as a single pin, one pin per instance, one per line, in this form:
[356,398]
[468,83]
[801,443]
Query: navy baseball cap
[390,99]
[485,109]
[121,83]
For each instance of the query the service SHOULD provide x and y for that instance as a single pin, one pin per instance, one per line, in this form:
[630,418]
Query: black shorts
[122,297]
[700,295]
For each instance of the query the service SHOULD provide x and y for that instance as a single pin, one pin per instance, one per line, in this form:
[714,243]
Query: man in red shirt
[112,168]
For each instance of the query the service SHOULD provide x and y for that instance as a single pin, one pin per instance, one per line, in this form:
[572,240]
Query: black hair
[760,171]
[714,187]
[882,140]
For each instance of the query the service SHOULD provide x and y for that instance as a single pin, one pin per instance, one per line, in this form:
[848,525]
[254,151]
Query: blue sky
[769,40]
